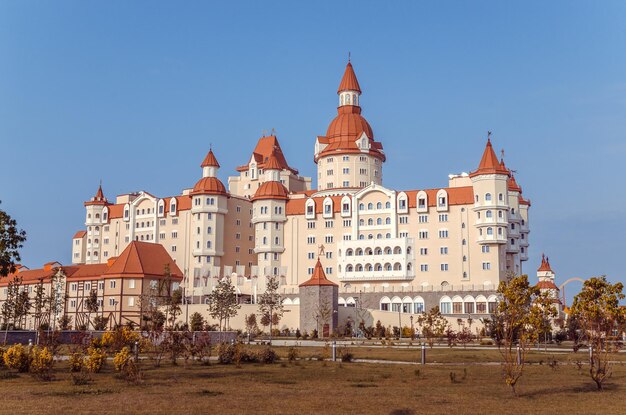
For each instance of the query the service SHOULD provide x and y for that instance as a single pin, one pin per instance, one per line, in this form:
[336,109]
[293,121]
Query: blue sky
[134,93]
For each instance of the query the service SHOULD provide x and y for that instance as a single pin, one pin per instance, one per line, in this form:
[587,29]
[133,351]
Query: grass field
[310,386]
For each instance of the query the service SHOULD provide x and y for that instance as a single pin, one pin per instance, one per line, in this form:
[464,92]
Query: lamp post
[400,320]
[412,330]
[115,312]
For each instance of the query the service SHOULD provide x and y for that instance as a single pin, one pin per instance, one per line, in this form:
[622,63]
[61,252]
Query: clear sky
[134,93]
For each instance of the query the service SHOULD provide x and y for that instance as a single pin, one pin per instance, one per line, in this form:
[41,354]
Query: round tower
[348,156]
[209,205]
[96,216]
[269,216]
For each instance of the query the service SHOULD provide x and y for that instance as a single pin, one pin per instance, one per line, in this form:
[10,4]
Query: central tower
[348,157]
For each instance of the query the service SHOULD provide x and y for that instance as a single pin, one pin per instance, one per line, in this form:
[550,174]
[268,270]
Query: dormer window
[422,203]
[442,201]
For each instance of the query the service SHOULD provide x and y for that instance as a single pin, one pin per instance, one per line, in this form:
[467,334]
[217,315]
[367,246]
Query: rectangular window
[112,301]
[423,251]
[424,267]
[457,308]
[173,248]
[310,271]
[444,267]
[346,170]
[310,240]
[329,270]
[469,308]
[492,306]
[328,239]
[422,234]
[131,283]
[310,225]
[347,223]
[74,286]
[443,233]
[404,234]
[481,308]
[486,266]
[443,217]
[131,301]
[112,284]
[311,255]
[73,303]
[443,250]
[329,255]
[329,223]
[485,249]
[445,308]
[404,219]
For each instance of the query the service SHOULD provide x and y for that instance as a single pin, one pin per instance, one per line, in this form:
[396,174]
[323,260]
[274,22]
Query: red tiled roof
[264,148]
[513,186]
[271,190]
[98,199]
[144,258]
[318,278]
[210,160]
[272,163]
[209,186]
[489,163]
[79,234]
[349,81]
[544,285]
[456,196]
[545,264]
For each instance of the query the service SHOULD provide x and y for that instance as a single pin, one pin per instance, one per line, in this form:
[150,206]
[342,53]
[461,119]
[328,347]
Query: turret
[348,157]
[209,205]
[97,215]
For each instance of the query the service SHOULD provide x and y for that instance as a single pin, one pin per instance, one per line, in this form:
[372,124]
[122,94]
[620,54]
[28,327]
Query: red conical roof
[272,163]
[349,81]
[318,278]
[489,163]
[545,264]
[210,160]
[513,186]
[209,186]
[98,199]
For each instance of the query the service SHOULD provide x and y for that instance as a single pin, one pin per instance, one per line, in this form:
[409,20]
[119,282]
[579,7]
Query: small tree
[91,304]
[196,322]
[523,313]
[11,241]
[601,319]
[22,308]
[251,324]
[223,302]
[433,325]
[271,303]
[324,312]
[39,304]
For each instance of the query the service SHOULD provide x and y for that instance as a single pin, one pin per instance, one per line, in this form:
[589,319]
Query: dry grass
[308,387]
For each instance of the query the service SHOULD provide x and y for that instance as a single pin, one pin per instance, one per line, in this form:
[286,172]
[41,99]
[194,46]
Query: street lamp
[412,330]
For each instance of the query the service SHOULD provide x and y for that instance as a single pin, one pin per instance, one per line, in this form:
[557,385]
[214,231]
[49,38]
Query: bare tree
[271,303]
[223,302]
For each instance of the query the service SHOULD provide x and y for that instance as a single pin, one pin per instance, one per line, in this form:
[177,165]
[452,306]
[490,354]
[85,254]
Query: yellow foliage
[118,339]
[41,362]
[121,359]
[16,357]
[95,360]
[76,361]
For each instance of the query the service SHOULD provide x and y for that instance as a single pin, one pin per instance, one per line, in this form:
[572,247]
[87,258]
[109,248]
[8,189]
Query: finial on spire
[488,135]
[273,131]
[348,56]
[502,154]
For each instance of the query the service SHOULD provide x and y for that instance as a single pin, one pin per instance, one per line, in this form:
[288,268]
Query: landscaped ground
[310,386]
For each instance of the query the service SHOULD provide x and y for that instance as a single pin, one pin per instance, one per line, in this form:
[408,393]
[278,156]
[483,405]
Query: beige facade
[450,242]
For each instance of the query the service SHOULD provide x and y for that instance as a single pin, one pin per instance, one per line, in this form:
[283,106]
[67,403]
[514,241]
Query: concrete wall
[290,319]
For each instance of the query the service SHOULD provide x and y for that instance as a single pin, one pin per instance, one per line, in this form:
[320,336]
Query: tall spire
[210,165]
[489,163]
[349,81]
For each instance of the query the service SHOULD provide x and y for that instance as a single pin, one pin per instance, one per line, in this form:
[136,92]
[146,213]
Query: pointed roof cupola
[349,81]
[513,186]
[318,278]
[489,163]
[209,184]
[272,188]
[210,160]
[98,199]
[545,264]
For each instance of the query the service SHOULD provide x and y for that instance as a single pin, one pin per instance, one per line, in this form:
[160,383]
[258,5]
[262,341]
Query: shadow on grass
[587,388]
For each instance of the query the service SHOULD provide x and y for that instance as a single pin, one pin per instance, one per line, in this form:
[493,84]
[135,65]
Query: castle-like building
[397,250]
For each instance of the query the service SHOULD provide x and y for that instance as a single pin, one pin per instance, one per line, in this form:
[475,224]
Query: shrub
[16,357]
[76,362]
[346,356]
[121,359]
[268,355]
[298,334]
[95,359]
[41,363]
[292,354]
[117,339]
[485,342]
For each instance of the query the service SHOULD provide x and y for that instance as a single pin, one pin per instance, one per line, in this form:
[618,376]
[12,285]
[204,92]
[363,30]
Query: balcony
[491,239]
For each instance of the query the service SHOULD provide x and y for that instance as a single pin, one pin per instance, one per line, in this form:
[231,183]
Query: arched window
[408,250]
[370,206]
[97,216]
[368,267]
[361,237]
[361,222]
[488,214]
[409,267]
[397,266]
[388,221]
[487,197]
[265,240]
[379,205]
[368,251]
[388,236]
[397,250]
[349,268]
[378,251]
[370,236]
[388,250]
[378,267]
[349,252]
[208,244]
[379,236]
[359,252]
[370,221]
[388,267]
[354,99]
[379,221]
[489,231]
[385,304]
[361,206]
[388,205]
[359,268]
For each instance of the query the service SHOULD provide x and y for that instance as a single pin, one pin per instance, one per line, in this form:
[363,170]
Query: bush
[346,356]
[267,355]
[16,357]
[76,362]
[225,353]
[298,334]
[293,354]
[41,363]
[485,342]
[117,339]
[121,359]
[95,359]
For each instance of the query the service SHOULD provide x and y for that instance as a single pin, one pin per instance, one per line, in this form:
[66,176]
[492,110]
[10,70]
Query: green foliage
[223,302]
[433,325]
[523,313]
[11,241]
[196,322]
[601,320]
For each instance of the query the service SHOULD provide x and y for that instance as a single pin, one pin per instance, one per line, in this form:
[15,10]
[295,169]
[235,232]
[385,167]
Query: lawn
[311,386]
